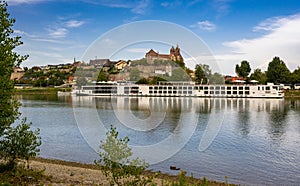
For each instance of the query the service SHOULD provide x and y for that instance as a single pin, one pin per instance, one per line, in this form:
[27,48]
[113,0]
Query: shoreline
[74,173]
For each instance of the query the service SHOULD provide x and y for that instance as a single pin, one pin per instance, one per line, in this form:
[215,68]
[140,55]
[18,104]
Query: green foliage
[179,74]
[102,76]
[295,76]
[200,76]
[143,81]
[259,76]
[216,78]
[15,142]
[156,79]
[116,163]
[139,62]
[19,143]
[243,70]
[278,71]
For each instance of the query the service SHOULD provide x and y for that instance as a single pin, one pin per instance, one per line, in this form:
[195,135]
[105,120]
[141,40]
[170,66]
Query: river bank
[72,173]
[39,90]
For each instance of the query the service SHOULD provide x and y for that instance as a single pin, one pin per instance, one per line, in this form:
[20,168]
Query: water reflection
[258,140]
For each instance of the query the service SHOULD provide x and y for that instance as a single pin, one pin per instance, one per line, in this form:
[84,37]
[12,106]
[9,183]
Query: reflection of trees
[277,122]
[243,117]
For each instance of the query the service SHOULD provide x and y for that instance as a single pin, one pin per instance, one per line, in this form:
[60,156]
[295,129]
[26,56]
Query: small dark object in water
[174,168]
[72,174]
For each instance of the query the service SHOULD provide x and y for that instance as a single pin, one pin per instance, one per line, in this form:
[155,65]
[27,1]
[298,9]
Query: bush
[19,143]
[116,164]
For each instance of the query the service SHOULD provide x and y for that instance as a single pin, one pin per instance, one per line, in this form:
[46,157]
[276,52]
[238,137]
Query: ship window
[247,92]
[150,88]
[169,87]
[241,92]
[126,91]
[234,88]
[184,92]
[262,88]
[159,92]
[190,88]
[211,92]
[274,87]
[155,88]
[165,92]
[217,92]
[205,88]
[126,88]
[160,88]
[174,92]
[180,88]
[150,92]
[205,92]
[247,88]
[211,88]
[155,92]
[258,88]
[228,88]
[190,92]
[267,88]
[234,92]
[222,92]
[217,88]
[241,88]
[200,88]
[169,92]
[175,88]
[184,88]
[222,88]
[165,88]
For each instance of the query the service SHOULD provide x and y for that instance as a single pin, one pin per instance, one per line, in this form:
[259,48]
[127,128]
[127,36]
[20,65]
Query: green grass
[292,93]
[37,90]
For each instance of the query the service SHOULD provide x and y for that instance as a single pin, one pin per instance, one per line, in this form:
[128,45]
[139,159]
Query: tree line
[277,73]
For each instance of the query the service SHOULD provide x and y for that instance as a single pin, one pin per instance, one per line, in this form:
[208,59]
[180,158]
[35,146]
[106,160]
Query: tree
[295,76]
[259,76]
[9,105]
[116,164]
[216,78]
[102,76]
[243,70]
[202,73]
[277,71]
[20,143]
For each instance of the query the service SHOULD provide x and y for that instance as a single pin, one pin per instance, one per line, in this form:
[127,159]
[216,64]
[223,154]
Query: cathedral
[173,56]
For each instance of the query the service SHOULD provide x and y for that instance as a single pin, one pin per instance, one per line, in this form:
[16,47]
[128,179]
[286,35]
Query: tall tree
[243,70]
[202,73]
[278,71]
[9,105]
[259,76]
[8,60]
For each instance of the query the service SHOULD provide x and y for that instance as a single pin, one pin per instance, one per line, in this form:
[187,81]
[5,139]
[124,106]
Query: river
[251,141]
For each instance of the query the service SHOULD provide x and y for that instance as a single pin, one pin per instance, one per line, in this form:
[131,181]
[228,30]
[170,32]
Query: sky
[57,31]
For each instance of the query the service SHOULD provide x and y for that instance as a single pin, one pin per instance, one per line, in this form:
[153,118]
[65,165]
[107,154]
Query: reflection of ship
[181,89]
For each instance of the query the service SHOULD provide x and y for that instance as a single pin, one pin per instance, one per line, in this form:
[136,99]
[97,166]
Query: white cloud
[205,25]
[282,39]
[138,50]
[17,2]
[58,32]
[141,7]
[74,23]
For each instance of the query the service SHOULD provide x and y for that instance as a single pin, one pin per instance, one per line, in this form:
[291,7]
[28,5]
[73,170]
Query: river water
[251,141]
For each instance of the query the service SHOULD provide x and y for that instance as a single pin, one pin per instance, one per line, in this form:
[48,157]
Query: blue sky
[55,31]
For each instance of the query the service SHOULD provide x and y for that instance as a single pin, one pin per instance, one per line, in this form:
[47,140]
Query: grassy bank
[292,93]
[57,172]
[38,90]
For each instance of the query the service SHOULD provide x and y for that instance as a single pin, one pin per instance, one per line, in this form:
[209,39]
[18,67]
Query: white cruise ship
[181,89]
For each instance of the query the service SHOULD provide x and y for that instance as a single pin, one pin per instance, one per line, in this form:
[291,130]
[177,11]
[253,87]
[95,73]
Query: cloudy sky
[57,31]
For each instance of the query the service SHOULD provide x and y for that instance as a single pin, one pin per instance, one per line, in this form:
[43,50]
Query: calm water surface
[256,143]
